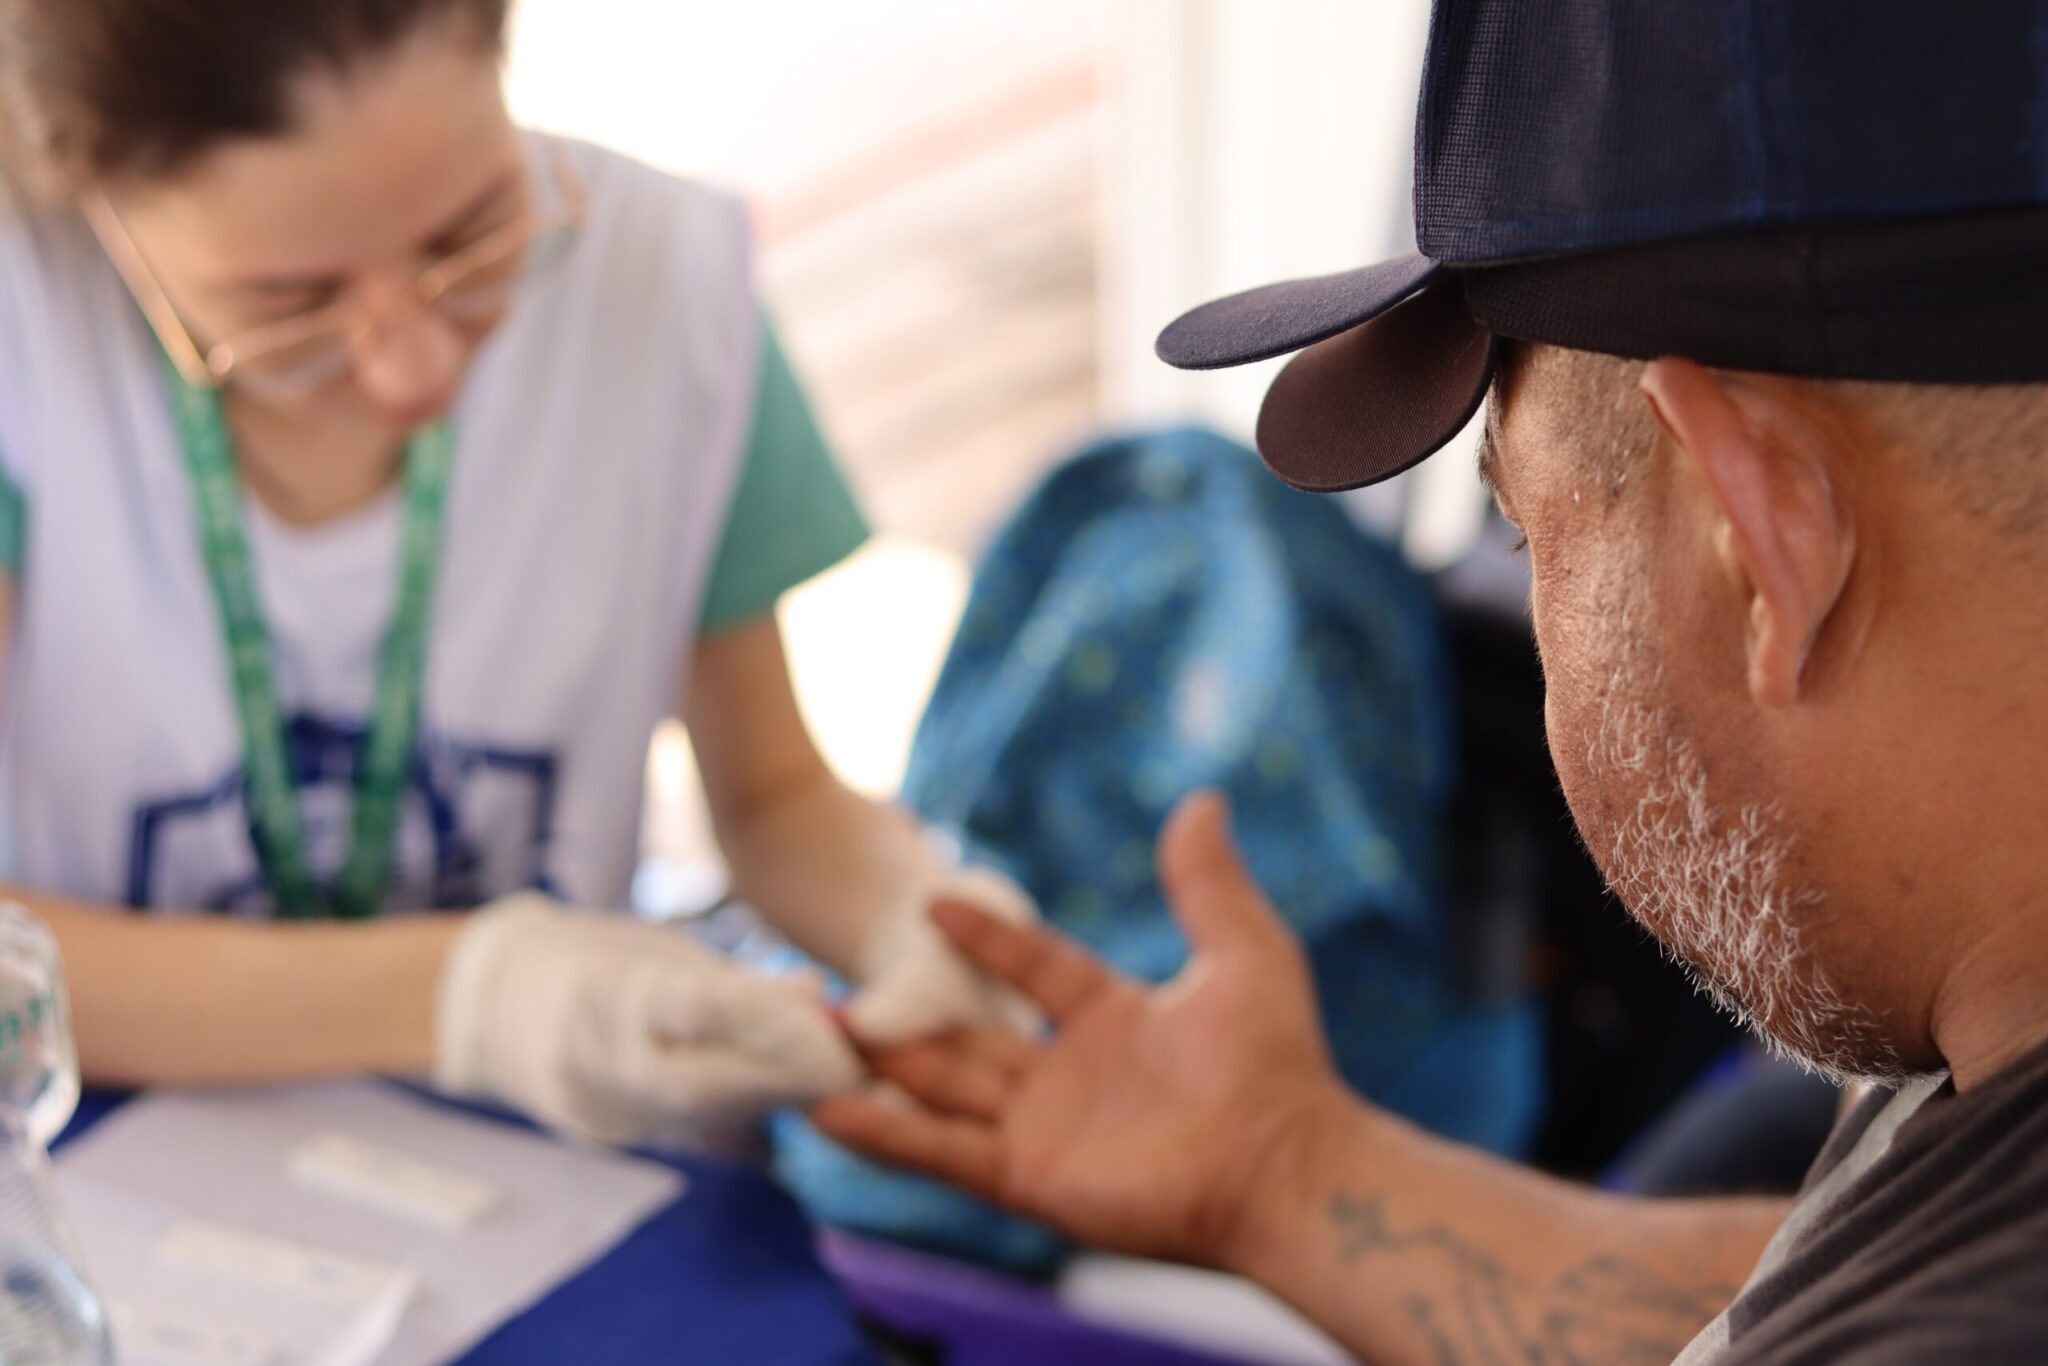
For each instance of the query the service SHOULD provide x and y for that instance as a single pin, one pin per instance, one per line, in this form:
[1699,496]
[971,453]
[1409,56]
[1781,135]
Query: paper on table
[222,1157]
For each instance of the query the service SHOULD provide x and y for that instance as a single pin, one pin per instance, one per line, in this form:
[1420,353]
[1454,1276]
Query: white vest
[597,447]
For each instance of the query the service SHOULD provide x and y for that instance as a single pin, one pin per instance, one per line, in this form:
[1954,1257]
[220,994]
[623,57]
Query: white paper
[223,1157]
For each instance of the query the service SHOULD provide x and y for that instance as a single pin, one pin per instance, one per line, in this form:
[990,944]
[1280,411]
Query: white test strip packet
[279,1264]
[392,1181]
[319,1307]
[153,1337]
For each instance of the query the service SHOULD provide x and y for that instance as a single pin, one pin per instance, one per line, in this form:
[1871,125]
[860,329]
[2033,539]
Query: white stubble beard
[1719,892]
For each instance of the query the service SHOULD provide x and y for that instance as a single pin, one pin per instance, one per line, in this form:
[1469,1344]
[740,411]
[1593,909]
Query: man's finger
[1056,973]
[999,1048]
[1211,892]
[960,1151]
[950,1078]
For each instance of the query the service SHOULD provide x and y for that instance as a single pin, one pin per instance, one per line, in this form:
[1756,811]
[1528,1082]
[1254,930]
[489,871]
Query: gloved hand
[618,1031]
[914,983]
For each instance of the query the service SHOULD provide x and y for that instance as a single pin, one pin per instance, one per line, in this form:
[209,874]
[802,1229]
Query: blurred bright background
[973,220]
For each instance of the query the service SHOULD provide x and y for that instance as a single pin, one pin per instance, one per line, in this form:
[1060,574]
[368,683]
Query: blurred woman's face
[396,164]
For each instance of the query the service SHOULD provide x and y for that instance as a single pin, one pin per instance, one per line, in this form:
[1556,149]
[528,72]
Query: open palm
[1141,1123]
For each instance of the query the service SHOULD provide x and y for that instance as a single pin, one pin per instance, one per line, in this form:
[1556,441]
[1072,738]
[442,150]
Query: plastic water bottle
[49,1315]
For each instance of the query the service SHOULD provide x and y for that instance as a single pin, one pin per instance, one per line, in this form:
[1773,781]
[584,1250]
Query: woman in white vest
[375,476]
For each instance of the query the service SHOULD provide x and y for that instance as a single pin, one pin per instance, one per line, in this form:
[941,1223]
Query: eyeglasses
[298,355]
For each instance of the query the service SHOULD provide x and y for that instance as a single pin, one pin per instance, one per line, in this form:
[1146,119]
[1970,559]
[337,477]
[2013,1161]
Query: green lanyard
[387,753]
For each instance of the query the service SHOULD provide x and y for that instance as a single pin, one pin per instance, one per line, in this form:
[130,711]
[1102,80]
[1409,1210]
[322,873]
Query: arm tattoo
[1424,1314]
[1607,1309]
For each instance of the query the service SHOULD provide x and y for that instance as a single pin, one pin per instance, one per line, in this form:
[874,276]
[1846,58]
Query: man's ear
[1782,532]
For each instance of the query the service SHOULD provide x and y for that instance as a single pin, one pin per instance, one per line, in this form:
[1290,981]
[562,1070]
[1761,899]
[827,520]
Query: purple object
[982,1318]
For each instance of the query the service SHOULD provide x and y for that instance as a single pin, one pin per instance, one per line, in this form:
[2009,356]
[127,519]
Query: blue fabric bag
[1164,616]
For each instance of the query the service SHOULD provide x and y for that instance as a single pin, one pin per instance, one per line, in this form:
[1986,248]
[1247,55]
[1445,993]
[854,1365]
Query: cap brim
[1395,366]
[1273,320]
[1380,398]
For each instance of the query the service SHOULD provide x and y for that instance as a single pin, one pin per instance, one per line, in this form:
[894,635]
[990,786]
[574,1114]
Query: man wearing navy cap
[1759,294]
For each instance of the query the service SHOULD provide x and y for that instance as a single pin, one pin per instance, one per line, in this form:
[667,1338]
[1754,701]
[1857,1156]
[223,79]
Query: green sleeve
[792,515]
[13,527]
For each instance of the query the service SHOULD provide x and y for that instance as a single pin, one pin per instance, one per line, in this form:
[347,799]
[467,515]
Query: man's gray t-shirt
[1921,1236]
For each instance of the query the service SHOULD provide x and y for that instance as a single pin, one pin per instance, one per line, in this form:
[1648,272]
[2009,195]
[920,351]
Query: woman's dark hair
[100,89]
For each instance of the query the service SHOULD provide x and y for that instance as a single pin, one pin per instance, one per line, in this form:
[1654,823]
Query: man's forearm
[1410,1249]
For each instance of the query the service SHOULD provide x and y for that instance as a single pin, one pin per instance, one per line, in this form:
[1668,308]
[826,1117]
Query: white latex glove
[614,1030]
[916,984]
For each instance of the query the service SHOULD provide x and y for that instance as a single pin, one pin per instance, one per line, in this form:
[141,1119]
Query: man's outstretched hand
[1149,1119]
[1203,1122]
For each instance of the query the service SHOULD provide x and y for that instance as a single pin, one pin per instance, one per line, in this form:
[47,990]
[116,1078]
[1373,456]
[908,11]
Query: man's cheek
[1564,727]
[1574,697]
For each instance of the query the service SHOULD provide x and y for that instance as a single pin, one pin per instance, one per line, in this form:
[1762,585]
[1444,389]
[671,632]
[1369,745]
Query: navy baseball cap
[1842,189]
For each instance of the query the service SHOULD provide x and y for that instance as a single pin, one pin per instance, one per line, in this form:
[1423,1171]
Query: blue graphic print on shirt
[478,823]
